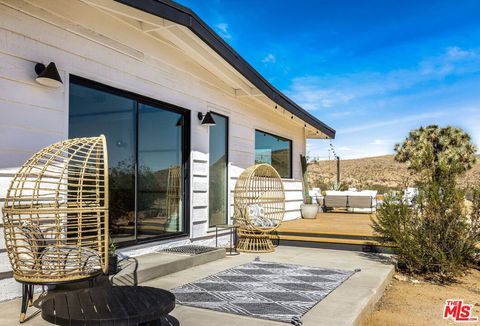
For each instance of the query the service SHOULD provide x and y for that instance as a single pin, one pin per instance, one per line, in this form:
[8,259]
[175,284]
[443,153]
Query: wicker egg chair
[56,216]
[259,202]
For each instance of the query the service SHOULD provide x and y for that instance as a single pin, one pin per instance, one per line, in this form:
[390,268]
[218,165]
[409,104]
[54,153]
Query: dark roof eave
[182,15]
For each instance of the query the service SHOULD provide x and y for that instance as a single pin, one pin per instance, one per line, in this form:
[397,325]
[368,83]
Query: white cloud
[380,137]
[381,142]
[393,122]
[222,29]
[353,150]
[378,99]
[457,53]
[320,92]
[270,58]
[310,93]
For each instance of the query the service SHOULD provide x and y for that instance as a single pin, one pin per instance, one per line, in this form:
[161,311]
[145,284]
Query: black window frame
[290,172]
[186,151]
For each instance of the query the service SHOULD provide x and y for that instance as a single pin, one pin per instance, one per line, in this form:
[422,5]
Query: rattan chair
[259,202]
[56,216]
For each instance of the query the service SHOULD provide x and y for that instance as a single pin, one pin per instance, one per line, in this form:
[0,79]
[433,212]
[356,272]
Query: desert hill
[382,173]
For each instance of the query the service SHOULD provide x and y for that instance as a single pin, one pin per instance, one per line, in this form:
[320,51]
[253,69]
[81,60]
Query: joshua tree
[436,152]
[437,237]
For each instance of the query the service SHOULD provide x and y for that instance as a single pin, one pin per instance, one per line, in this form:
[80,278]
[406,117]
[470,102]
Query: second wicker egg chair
[55,216]
[259,201]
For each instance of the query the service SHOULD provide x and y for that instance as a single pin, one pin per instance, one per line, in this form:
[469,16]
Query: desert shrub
[438,236]
[381,189]
[322,185]
[342,186]
[474,221]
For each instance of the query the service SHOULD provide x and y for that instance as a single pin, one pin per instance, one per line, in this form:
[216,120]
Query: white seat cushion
[256,213]
[72,260]
[256,210]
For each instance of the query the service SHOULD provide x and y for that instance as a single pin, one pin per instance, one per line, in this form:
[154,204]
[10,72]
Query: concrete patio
[344,306]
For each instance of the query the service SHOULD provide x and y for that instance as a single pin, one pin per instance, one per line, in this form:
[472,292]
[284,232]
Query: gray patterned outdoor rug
[281,292]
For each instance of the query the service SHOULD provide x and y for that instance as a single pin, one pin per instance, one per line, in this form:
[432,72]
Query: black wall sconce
[48,76]
[207,119]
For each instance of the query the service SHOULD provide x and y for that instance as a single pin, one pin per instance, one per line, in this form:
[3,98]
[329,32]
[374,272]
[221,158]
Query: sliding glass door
[159,171]
[147,144]
[218,171]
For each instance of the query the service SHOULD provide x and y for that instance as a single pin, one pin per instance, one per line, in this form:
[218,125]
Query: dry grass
[407,303]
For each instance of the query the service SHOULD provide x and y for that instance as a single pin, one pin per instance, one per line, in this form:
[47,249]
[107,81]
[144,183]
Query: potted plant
[308,209]
[112,257]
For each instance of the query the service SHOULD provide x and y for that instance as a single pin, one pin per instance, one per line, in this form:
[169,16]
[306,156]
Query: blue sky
[372,70]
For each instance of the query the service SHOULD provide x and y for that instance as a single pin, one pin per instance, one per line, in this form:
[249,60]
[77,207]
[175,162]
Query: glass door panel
[160,172]
[93,112]
[218,191]
[145,146]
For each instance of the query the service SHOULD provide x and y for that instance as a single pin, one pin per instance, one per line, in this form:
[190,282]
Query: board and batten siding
[93,45]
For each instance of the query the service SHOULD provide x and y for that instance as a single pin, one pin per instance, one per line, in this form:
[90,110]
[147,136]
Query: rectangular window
[147,144]
[218,171]
[274,150]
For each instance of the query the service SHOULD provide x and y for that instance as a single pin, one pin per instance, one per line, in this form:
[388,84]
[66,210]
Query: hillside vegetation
[381,173]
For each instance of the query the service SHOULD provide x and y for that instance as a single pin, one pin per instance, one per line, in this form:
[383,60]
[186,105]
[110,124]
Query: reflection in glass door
[93,112]
[218,171]
[146,146]
[159,171]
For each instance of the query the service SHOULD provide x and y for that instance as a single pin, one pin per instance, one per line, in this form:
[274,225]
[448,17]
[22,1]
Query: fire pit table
[118,305]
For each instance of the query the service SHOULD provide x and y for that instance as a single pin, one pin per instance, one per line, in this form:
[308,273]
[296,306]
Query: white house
[142,73]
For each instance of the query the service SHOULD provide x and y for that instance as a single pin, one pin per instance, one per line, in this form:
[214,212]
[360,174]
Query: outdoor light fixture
[48,76]
[207,119]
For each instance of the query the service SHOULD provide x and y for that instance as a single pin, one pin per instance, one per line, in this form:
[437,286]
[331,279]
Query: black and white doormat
[281,292]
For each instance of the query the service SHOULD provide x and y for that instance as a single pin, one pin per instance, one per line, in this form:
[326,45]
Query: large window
[146,142]
[218,176]
[274,150]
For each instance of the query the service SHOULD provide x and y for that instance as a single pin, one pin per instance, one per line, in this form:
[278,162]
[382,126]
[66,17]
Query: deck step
[324,235]
[333,241]
[328,240]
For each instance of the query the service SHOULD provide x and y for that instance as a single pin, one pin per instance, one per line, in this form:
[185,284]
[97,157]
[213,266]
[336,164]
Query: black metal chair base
[28,289]
[27,300]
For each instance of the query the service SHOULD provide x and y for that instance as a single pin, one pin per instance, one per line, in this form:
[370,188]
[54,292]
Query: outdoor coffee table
[118,305]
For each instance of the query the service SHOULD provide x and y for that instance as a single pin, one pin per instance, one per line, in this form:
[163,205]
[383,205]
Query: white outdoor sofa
[353,201]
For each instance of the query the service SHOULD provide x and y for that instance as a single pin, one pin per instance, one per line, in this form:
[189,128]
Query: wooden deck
[335,230]
[332,223]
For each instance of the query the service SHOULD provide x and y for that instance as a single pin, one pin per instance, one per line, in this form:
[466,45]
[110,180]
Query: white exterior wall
[33,116]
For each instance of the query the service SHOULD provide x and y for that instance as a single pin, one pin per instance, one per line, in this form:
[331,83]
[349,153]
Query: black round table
[118,305]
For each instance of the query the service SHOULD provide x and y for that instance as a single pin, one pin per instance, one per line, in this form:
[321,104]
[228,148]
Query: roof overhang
[184,16]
